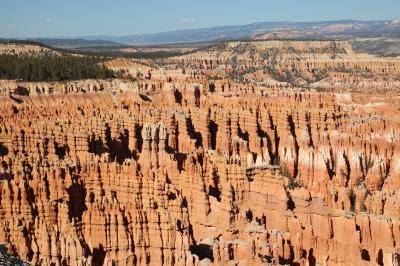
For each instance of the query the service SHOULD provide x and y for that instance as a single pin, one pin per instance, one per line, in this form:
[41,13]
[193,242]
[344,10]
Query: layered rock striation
[191,170]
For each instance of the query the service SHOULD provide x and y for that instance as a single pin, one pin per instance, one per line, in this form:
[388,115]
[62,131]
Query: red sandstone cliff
[176,170]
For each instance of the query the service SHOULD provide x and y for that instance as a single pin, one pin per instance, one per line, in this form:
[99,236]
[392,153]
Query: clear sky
[45,18]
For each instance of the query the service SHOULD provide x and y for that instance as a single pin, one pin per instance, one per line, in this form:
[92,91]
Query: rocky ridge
[181,168]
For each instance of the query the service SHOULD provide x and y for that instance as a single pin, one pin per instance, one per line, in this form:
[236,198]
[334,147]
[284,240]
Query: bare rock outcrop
[187,170]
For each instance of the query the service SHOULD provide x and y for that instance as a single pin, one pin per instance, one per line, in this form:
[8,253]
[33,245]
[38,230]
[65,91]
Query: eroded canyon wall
[258,153]
[188,176]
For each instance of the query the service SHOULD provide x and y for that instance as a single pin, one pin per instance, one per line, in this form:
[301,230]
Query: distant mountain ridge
[72,43]
[250,30]
[379,37]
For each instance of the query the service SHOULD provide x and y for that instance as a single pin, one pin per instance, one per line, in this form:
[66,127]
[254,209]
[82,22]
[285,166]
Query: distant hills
[342,27]
[381,36]
[73,43]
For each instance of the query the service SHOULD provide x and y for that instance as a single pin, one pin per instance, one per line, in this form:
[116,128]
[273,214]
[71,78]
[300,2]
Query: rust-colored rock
[181,170]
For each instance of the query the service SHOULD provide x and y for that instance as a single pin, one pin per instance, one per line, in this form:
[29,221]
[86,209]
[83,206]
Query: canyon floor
[243,153]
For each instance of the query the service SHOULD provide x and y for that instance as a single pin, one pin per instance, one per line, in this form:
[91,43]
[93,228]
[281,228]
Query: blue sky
[45,18]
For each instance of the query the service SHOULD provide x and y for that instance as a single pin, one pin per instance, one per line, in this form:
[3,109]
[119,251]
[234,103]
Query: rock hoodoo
[190,170]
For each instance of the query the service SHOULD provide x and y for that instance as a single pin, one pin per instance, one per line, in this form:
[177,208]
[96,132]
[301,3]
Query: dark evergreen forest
[52,67]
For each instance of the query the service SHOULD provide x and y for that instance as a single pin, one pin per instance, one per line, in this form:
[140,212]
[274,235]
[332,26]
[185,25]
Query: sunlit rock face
[179,169]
